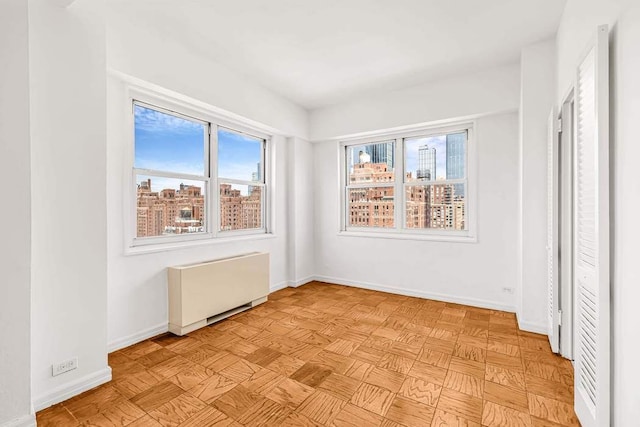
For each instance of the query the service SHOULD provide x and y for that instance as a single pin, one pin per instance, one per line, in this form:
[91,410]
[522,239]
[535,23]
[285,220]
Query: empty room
[319,213]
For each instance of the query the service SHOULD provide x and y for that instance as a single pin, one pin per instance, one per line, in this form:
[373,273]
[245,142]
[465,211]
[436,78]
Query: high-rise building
[371,206]
[255,177]
[426,163]
[381,153]
[456,155]
[238,212]
[433,207]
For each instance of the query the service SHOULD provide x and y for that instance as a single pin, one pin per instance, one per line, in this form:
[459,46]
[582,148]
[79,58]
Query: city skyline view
[176,205]
[169,143]
[372,202]
[450,155]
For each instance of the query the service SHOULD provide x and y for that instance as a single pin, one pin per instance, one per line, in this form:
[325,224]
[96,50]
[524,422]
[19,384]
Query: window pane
[371,207]
[240,207]
[168,206]
[436,157]
[370,163]
[239,156]
[169,143]
[438,206]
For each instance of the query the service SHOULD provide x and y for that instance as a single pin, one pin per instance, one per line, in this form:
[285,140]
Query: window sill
[409,236]
[170,246]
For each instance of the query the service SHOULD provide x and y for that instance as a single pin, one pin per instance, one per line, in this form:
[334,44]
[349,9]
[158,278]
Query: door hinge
[559,317]
[559,125]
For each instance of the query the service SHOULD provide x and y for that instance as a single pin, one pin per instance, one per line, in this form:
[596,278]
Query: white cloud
[156,121]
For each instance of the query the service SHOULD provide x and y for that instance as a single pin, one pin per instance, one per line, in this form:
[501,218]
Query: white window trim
[400,231]
[194,110]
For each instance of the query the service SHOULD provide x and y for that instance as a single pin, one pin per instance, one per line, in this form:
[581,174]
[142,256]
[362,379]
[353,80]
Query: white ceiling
[320,52]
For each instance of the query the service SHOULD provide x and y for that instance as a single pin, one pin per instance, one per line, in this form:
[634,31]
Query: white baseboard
[291,284]
[420,294]
[537,328]
[164,327]
[298,283]
[278,286]
[73,388]
[137,337]
[24,421]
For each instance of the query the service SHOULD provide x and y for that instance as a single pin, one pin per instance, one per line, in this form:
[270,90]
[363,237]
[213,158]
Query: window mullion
[264,205]
[165,174]
[344,181]
[240,182]
[214,188]
[398,200]
[371,184]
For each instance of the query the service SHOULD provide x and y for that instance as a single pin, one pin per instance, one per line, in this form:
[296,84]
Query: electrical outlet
[62,367]
[507,290]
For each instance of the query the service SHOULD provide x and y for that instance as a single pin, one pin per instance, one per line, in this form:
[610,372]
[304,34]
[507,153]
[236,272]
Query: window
[180,163]
[414,183]
[370,189]
[241,180]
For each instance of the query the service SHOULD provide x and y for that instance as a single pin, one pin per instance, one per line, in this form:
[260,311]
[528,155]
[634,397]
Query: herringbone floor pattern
[328,355]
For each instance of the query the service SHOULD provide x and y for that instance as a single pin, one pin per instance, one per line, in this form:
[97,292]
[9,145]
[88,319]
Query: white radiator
[204,293]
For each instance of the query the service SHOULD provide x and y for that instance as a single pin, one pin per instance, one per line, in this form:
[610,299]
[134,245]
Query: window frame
[400,230]
[348,186]
[198,112]
[220,180]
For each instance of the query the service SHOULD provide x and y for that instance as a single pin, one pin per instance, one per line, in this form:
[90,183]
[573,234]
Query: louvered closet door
[553,330]
[591,225]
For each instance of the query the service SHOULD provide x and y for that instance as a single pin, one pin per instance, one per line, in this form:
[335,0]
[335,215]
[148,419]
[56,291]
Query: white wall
[15,246]
[137,294]
[472,273]
[537,67]
[577,28]
[301,212]
[68,177]
[137,297]
[480,92]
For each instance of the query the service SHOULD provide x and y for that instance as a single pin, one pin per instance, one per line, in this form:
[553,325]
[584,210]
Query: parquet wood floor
[328,355]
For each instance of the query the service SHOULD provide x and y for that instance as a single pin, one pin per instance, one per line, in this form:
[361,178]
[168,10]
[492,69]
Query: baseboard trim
[73,388]
[137,337]
[298,283]
[24,421]
[420,294]
[278,286]
[537,328]
[291,284]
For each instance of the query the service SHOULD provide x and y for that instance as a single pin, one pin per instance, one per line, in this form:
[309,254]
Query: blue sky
[173,144]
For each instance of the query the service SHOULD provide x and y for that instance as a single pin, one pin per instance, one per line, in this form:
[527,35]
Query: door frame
[566,184]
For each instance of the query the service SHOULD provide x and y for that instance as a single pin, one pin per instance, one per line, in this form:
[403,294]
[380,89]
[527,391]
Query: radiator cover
[204,293]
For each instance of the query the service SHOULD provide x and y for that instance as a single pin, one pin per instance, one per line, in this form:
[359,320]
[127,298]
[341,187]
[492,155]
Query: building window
[413,183]
[178,166]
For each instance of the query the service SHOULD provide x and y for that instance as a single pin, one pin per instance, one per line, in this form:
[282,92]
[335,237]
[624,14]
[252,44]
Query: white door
[591,225]
[553,325]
